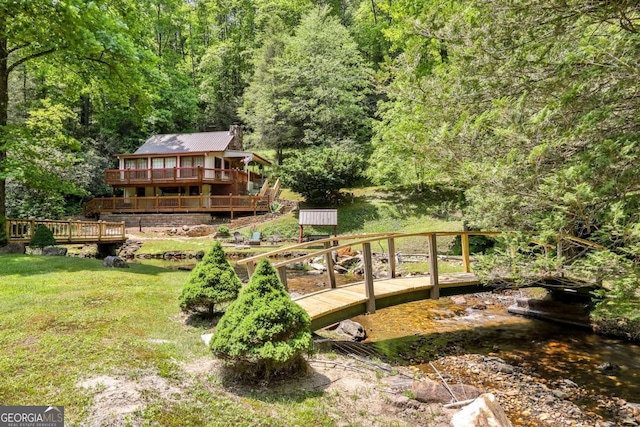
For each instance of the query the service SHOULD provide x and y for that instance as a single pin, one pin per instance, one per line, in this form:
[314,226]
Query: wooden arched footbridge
[335,304]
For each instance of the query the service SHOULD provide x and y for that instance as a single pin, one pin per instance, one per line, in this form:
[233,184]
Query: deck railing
[177,176]
[332,244]
[231,203]
[21,230]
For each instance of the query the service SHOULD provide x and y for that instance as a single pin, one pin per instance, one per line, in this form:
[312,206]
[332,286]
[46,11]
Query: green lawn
[64,320]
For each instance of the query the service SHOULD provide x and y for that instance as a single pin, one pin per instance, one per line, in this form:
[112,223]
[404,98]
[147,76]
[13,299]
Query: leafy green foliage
[309,88]
[42,237]
[223,231]
[319,173]
[263,333]
[212,283]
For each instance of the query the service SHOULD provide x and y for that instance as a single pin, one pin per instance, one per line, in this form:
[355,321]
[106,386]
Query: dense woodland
[528,109]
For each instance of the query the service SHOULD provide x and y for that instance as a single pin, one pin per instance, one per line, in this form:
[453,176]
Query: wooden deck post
[464,241]
[330,272]
[433,266]
[282,273]
[32,229]
[231,204]
[392,258]
[368,278]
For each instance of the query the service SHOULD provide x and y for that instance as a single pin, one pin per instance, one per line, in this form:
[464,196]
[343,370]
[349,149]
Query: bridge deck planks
[329,301]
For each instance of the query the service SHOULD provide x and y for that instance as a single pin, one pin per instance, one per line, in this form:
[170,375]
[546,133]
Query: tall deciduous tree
[67,34]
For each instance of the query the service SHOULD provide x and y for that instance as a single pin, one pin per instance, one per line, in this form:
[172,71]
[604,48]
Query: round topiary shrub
[223,231]
[212,282]
[42,238]
[263,333]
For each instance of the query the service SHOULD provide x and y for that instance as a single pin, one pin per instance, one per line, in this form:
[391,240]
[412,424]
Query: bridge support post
[392,258]
[464,241]
[368,277]
[330,272]
[282,273]
[251,267]
[433,266]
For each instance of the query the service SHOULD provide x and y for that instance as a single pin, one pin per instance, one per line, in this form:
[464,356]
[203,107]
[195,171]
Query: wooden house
[202,172]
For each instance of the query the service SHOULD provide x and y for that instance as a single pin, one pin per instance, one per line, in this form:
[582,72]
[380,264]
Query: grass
[375,210]
[64,320]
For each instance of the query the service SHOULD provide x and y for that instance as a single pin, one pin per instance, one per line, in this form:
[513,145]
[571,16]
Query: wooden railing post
[368,277]
[32,228]
[70,225]
[231,204]
[251,267]
[330,272]
[433,266]
[100,226]
[282,273]
[392,258]
[464,241]
[124,230]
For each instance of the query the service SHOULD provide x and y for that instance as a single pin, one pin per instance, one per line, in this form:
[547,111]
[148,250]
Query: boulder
[114,262]
[484,411]
[352,329]
[13,248]
[54,251]
[435,392]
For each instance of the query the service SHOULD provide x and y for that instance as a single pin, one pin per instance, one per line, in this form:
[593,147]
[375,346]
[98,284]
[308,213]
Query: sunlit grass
[64,320]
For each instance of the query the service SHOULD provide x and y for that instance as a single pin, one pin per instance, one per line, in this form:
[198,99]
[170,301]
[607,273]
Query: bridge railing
[22,230]
[332,244]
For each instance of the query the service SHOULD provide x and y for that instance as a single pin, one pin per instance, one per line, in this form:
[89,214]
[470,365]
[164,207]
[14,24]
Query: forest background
[527,109]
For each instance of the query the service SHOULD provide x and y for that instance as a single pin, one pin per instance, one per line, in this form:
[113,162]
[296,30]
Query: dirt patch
[116,399]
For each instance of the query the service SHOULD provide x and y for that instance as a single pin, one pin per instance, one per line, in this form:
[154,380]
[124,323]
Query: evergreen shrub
[212,283]
[42,237]
[263,334]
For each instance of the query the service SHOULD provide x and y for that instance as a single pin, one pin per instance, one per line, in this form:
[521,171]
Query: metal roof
[186,143]
[318,217]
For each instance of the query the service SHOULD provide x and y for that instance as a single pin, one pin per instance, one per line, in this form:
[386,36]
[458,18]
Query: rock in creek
[484,411]
[352,329]
[435,392]
[114,262]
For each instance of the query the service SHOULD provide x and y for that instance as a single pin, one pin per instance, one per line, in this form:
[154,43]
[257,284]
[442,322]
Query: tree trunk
[4,111]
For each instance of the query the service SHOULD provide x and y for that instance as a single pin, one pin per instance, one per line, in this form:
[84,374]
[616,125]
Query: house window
[138,168]
[163,167]
[188,165]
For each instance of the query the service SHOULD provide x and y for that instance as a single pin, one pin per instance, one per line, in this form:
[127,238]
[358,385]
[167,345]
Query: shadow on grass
[203,320]
[31,265]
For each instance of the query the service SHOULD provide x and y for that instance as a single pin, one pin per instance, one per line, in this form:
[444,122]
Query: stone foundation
[158,220]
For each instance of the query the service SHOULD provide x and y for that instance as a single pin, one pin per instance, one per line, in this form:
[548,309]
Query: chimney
[236,132]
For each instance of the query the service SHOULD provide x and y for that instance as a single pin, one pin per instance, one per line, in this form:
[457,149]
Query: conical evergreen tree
[263,333]
[212,282]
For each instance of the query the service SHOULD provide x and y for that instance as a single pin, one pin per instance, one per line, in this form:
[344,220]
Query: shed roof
[318,217]
[186,143]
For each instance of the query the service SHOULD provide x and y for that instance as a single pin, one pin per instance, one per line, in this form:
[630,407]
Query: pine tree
[263,333]
[212,282]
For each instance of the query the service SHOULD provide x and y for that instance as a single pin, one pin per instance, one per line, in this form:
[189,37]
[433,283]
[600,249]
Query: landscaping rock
[200,230]
[435,392]
[459,300]
[114,262]
[352,329]
[13,248]
[54,251]
[484,411]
